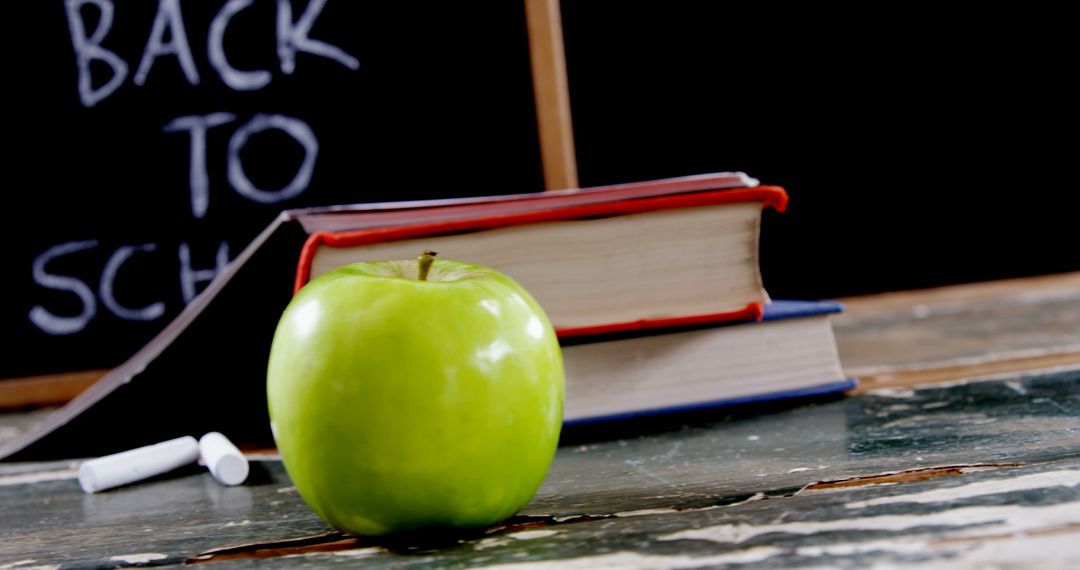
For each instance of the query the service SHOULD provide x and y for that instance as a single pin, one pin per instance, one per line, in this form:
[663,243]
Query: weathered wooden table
[970,473]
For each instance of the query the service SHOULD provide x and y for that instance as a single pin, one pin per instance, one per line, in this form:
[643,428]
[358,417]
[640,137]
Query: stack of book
[654,288]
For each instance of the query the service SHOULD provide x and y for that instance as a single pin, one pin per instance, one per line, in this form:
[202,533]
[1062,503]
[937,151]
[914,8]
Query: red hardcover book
[596,268]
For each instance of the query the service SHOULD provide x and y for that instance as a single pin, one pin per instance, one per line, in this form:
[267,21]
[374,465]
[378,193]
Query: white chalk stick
[221,457]
[137,464]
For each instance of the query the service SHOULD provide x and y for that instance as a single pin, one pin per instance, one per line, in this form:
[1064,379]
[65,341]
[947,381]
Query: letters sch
[54,324]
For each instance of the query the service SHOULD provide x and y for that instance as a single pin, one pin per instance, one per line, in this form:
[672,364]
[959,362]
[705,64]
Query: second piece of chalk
[223,459]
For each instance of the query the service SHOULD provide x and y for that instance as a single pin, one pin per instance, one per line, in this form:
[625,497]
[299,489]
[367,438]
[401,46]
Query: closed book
[791,353]
[640,263]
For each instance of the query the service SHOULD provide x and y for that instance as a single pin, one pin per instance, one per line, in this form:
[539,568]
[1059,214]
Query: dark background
[920,147]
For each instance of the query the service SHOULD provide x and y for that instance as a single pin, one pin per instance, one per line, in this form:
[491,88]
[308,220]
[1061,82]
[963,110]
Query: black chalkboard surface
[155,139]
[920,147]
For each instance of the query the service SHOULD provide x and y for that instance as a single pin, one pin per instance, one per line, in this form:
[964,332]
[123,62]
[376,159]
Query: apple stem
[426,259]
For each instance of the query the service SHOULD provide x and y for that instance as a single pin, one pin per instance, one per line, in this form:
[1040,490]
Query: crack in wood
[907,476]
[417,542]
[324,542]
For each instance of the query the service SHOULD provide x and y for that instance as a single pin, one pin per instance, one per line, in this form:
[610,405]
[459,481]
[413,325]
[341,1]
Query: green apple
[406,395]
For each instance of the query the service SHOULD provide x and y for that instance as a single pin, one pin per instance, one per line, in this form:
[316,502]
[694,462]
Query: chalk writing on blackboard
[54,324]
[101,71]
[292,37]
[197,126]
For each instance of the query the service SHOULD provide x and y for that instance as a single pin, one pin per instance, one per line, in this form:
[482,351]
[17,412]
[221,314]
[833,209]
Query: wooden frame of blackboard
[552,92]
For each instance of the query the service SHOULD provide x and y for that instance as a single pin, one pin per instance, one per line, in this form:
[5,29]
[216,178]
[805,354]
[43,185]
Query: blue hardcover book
[788,355]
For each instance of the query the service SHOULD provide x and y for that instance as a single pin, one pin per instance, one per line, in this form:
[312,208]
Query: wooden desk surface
[962,474]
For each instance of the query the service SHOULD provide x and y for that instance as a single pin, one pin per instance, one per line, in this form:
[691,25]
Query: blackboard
[153,140]
[920,148]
